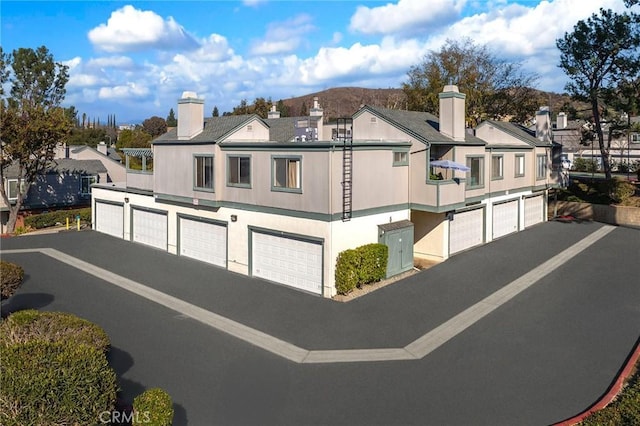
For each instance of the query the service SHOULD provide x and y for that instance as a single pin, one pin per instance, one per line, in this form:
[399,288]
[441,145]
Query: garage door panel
[150,228]
[204,241]
[110,219]
[505,218]
[287,261]
[533,210]
[466,230]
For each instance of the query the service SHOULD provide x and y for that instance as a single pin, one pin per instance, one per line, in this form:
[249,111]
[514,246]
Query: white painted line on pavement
[417,349]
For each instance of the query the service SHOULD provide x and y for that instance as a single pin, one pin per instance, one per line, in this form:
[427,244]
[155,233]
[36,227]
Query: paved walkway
[417,349]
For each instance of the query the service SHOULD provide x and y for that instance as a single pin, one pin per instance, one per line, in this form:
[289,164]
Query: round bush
[153,407]
[47,383]
[31,325]
[11,276]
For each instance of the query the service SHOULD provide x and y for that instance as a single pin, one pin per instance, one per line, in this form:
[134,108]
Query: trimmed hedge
[11,276]
[30,325]
[47,383]
[347,277]
[153,407]
[373,263]
[362,265]
[45,220]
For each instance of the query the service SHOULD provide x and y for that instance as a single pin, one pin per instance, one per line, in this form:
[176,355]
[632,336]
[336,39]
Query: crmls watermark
[123,417]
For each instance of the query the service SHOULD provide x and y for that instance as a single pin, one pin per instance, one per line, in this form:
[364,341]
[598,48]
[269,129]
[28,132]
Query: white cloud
[518,30]
[121,62]
[130,29]
[406,16]
[124,92]
[283,37]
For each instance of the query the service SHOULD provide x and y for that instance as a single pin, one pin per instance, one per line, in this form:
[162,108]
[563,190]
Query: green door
[400,243]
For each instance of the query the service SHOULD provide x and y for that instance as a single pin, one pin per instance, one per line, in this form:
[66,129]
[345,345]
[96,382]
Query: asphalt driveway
[543,356]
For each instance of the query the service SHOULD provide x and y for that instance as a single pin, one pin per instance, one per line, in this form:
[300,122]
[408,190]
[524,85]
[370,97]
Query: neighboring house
[110,159]
[66,183]
[568,133]
[251,195]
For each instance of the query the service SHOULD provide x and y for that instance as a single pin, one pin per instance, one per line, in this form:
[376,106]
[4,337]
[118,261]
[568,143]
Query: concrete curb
[612,392]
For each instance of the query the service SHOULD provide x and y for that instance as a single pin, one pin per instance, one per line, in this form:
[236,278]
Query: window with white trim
[203,176]
[12,189]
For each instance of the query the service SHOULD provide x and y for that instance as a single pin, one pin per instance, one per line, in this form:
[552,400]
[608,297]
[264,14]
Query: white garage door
[505,218]
[287,261]
[533,210]
[466,230]
[110,219]
[203,241]
[150,228]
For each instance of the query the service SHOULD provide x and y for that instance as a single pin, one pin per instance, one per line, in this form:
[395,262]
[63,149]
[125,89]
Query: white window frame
[9,182]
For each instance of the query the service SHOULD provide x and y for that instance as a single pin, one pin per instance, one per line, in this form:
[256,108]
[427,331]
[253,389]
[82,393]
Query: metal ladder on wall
[346,126]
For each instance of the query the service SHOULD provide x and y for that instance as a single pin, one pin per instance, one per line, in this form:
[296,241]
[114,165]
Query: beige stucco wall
[255,131]
[116,171]
[430,235]
[174,170]
[375,182]
[378,130]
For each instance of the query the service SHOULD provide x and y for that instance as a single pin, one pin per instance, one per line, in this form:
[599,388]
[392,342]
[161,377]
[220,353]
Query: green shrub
[373,262]
[31,325]
[48,383]
[585,165]
[347,275]
[11,276]
[153,407]
[362,265]
[618,190]
[44,220]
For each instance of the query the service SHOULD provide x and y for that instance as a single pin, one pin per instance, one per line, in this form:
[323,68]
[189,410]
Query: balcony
[139,165]
[442,195]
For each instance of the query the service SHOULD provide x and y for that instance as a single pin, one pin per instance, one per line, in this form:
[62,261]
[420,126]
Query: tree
[171,119]
[155,126]
[284,109]
[601,57]
[136,138]
[32,122]
[215,112]
[494,88]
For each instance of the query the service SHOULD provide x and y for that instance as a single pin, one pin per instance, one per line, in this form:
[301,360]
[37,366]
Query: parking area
[542,356]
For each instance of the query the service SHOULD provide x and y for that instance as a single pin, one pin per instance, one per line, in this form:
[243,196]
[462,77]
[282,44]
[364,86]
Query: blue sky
[134,59]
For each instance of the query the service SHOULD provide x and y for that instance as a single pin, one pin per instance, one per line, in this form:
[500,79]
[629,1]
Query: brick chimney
[190,115]
[452,113]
